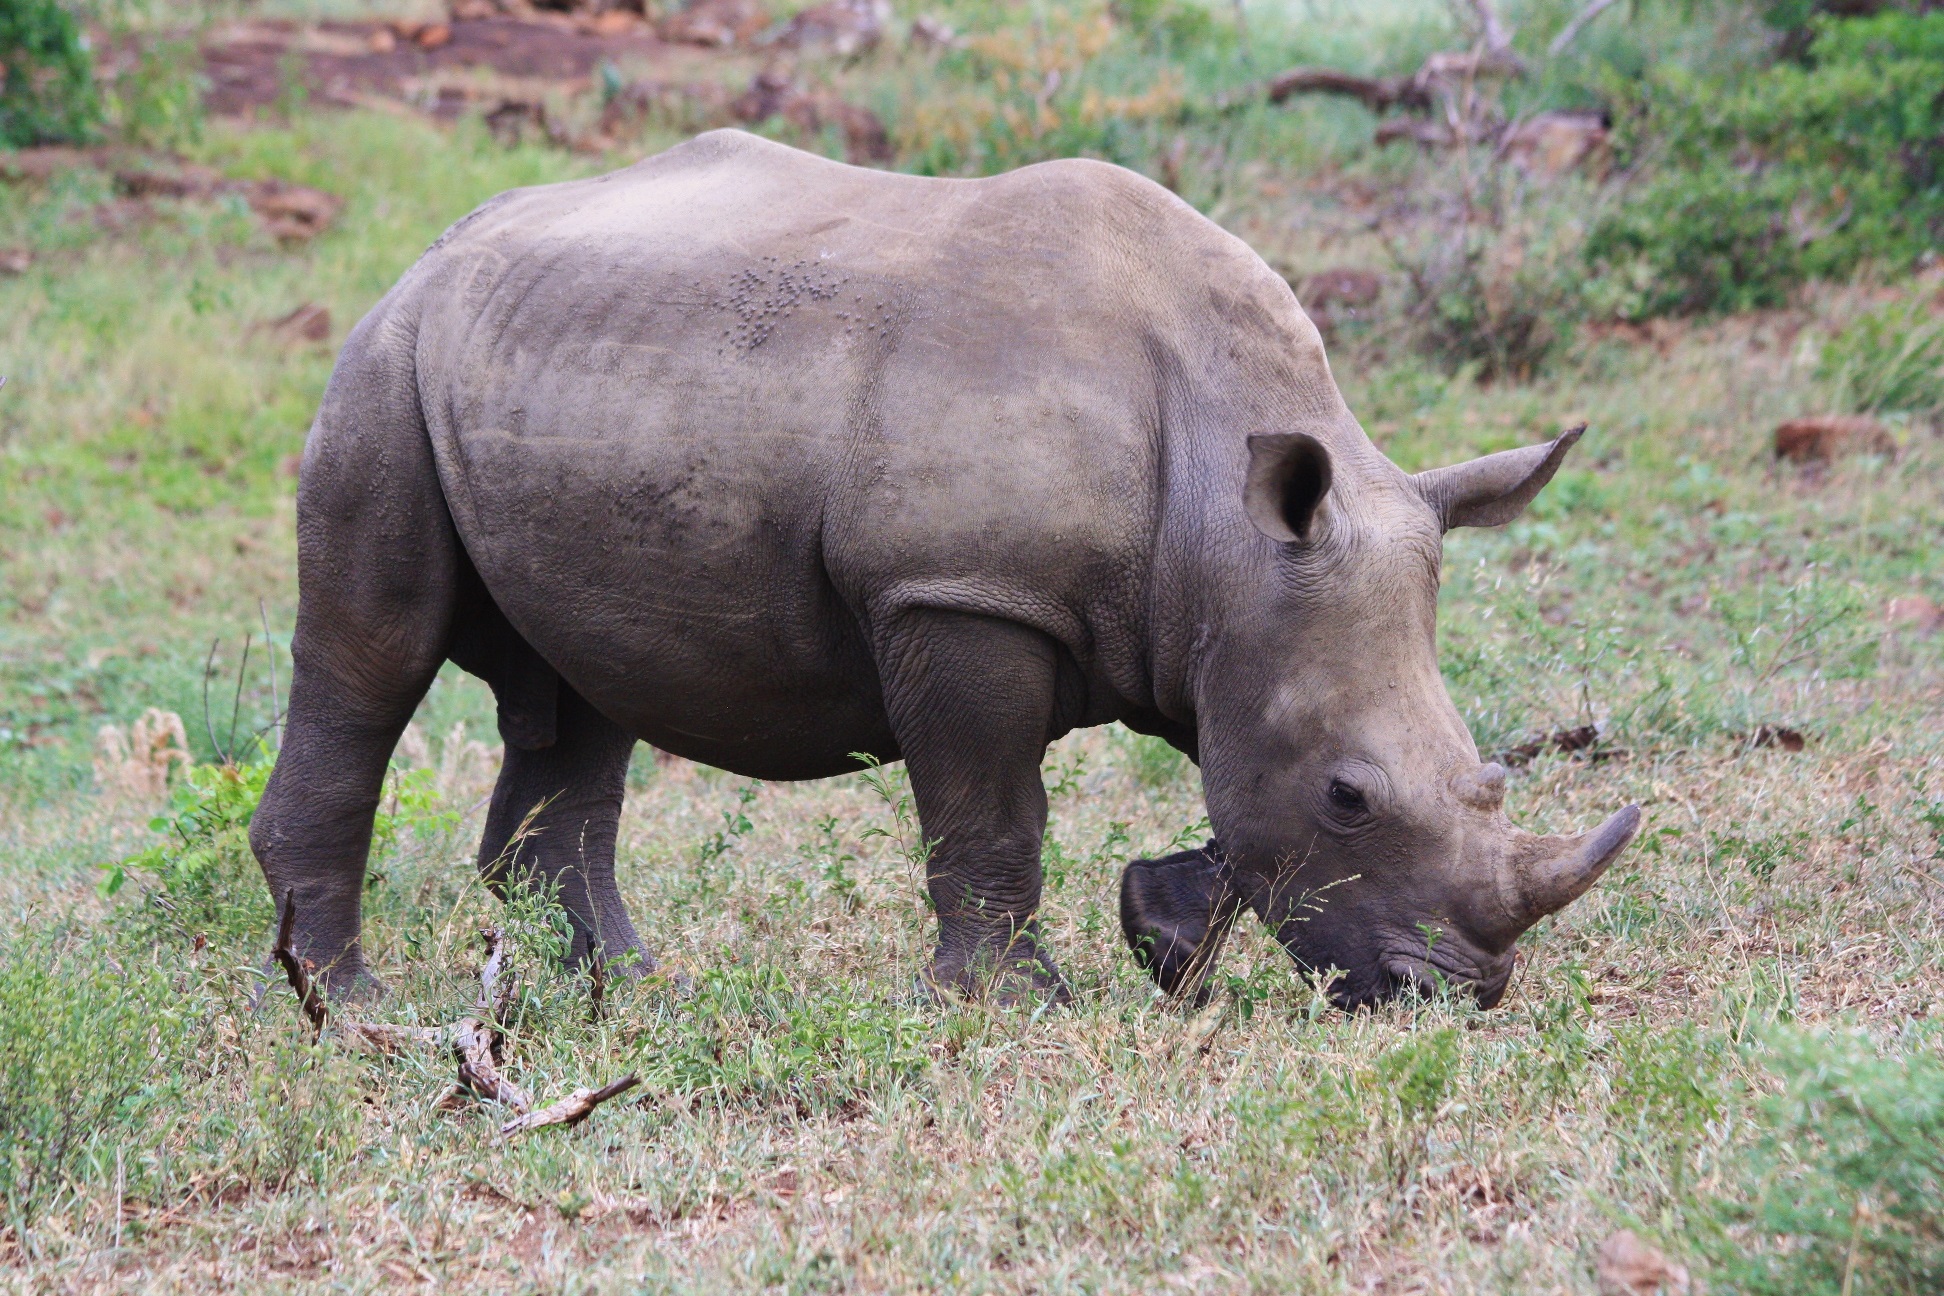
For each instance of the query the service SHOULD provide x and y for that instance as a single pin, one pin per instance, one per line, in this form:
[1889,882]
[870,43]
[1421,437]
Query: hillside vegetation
[1729,1049]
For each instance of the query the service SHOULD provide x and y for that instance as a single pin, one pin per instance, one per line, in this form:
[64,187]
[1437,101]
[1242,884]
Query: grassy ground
[812,1123]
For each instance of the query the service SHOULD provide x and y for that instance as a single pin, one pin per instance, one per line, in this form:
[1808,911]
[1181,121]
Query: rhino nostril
[1425,981]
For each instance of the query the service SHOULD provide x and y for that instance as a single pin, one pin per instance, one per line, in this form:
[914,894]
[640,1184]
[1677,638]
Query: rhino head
[1351,810]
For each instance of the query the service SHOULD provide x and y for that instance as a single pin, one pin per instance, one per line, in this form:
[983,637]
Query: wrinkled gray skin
[767,460]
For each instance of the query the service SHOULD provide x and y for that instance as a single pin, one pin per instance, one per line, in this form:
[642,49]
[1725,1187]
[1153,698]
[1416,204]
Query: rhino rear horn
[1492,491]
[1176,913]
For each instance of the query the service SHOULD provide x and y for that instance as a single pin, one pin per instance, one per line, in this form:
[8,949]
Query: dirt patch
[255,66]
[514,71]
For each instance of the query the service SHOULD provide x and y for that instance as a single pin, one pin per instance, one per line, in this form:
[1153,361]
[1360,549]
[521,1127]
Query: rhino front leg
[970,699]
[555,814]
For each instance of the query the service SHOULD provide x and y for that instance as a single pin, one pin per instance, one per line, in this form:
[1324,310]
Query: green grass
[1728,1046]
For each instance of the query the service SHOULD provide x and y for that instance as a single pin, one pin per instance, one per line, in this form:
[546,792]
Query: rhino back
[713,419]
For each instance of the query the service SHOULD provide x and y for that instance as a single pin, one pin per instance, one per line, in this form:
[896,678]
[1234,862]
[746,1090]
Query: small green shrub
[1496,281]
[84,1037]
[1418,1071]
[1890,359]
[157,101]
[47,91]
[1750,187]
[202,864]
[1153,762]
[1848,1181]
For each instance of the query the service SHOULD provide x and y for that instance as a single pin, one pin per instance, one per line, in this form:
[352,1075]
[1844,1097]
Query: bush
[1494,278]
[47,93]
[84,1037]
[156,101]
[1795,172]
[1848,1189]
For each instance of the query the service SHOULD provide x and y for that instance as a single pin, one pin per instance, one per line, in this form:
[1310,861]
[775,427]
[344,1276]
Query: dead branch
[571,1110]
[1443,76]
[299,970]
[474,1046]
[1379,94]
[475,1041]
[1580,22]
[1495,36]
[494,998]
[596,987]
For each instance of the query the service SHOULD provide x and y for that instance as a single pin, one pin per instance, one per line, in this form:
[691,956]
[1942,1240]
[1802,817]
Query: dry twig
[476,1041]
[475,1045]
[299,970]
[1579,24]
[571,1110]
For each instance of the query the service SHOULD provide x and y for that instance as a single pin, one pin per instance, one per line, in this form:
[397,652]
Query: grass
[1728,1047]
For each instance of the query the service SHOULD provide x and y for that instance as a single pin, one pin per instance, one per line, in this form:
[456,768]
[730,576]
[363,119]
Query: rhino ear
[1289,474]
[1493,490]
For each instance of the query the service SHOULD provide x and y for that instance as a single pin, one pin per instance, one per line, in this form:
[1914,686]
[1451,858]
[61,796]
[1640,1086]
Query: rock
[293,213]
[1549,144]
[183,180]
[774,93]
[308,323]
[1911,612]
[1342,287]
[1824,438]
[845,28]
[613,22]
[1626,1266]
[931,32]
[14,261]
[714,22]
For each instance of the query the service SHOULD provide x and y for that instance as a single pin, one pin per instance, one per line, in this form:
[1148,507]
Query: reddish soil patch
[249,65]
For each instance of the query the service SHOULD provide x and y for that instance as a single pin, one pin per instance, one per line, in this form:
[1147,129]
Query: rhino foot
[1175,914]
[1004,968]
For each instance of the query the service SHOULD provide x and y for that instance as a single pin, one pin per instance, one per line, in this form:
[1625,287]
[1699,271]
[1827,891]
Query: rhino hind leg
[1176,913]
[379,574]
[552,825]
[971,700]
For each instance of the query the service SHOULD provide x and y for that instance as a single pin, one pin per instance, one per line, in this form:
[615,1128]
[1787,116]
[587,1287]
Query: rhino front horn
[1557,879]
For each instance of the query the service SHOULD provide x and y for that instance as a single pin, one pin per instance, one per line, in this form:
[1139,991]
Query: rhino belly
[679,593]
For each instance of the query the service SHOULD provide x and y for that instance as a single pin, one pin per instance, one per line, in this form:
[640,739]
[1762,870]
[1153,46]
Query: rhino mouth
[1405,974]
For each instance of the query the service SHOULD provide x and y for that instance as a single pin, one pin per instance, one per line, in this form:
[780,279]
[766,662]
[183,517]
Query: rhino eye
[1345,798]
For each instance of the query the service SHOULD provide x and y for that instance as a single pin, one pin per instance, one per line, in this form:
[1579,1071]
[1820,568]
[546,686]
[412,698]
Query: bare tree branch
[571,1110]
[475,1041]
[1498,38]
[494,998]
[474,1045]
[1581,20]
[1377,93]
[298,971]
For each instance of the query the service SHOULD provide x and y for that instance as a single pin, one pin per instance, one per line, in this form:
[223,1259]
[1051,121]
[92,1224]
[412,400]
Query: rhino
[776,464]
